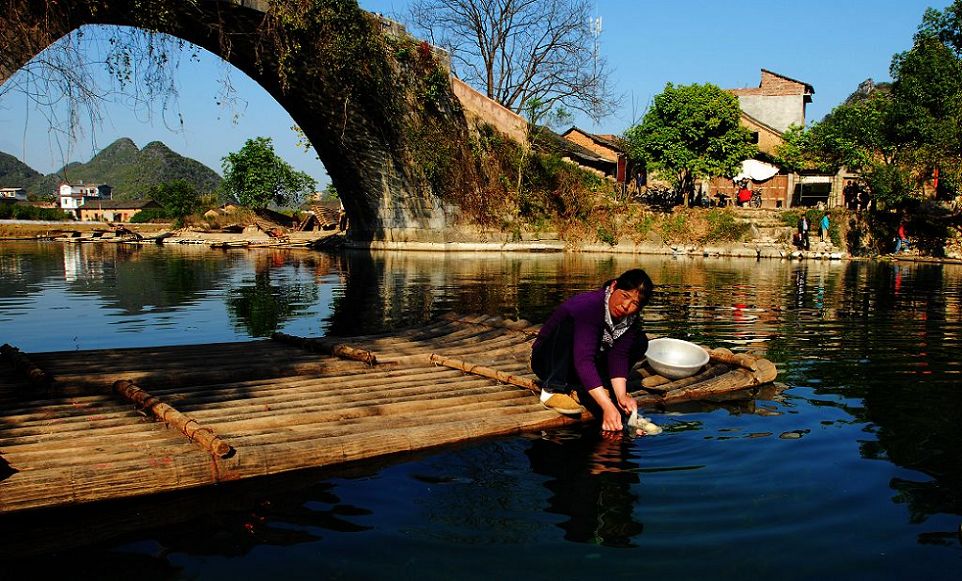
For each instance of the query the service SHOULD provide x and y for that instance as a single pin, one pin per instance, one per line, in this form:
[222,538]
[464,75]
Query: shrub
[149,215]
[28,212]
[723,227]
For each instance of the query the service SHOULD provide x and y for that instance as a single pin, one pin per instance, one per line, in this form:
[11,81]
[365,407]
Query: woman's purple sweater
[587,313]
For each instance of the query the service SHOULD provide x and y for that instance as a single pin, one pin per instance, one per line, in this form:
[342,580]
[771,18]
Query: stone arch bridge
[377,105]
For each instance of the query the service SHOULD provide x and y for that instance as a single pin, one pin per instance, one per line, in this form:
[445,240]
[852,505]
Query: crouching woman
[589,344]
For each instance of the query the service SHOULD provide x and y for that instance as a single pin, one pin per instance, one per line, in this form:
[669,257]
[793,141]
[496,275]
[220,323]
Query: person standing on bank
[803,232]
[902,239]
[823,232]
[589,344]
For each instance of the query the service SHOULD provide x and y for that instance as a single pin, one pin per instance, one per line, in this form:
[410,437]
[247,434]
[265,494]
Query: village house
[98,210]
[605,154]
[768,110]
[72,197]
[778,101]
[13,194]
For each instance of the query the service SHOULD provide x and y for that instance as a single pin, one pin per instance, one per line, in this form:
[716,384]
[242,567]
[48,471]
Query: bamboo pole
[196,432]
[484,372]
[328,347]
[24,365]
[742,360]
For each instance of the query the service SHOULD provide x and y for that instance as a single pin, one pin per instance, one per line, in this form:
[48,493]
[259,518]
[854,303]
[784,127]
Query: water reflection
[592,477]
[871,347]
[261,306]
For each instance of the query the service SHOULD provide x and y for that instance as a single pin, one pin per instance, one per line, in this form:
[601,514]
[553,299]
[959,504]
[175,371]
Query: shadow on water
[229,521]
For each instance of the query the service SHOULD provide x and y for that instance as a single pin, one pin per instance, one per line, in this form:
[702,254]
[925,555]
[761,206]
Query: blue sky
[831,45]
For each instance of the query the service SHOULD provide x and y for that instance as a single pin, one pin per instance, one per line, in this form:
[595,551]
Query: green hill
[131,171]
[16,174]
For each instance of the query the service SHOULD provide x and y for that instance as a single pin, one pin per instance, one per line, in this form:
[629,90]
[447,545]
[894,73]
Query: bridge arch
[376,105]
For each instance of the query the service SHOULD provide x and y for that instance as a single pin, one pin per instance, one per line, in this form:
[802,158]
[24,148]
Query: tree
[897,135]
[692,131]
[946,25]
[255,176]
[523,50]
[178,197]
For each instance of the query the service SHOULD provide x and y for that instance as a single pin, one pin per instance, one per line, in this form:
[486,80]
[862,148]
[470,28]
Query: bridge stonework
[377,107]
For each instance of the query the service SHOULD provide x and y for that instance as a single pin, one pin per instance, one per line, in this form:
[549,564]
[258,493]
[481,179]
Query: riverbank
[766,242]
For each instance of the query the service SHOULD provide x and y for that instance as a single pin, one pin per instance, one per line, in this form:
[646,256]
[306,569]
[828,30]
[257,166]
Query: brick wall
[480,107]
[768,140]
[773,85]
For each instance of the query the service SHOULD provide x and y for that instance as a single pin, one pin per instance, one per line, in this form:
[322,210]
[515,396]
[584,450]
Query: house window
[755,137]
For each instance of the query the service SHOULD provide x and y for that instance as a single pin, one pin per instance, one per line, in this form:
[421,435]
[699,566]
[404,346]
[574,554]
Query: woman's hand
[627,403]
[611,421]
[611,415]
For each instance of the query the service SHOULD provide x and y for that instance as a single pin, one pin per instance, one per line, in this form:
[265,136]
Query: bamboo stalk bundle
[165,413]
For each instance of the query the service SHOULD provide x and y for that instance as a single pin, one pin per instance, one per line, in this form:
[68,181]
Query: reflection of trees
[161,281]
[261,307]
[591,480]
[127,278]
[24,267]
[387,291]
[888,337]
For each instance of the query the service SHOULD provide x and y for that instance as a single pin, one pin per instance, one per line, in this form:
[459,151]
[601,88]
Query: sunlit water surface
[854,471]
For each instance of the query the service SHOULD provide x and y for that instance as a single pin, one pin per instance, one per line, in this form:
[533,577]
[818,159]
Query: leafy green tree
[255,176]
[329,193]
[692,131]
[895,135]
[946,25]
[928,96]
[179,198]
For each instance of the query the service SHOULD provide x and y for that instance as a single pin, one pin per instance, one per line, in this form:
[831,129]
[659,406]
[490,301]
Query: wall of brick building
[777,101]
[768,140]
[592,145]
[479,107]
[776,111]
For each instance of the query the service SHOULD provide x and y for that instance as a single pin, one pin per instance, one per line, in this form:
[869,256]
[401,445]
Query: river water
[854,470]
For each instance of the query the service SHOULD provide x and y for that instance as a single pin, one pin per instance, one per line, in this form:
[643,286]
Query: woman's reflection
[591,482]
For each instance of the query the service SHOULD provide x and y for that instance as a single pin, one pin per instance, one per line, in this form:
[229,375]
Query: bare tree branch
[522,50]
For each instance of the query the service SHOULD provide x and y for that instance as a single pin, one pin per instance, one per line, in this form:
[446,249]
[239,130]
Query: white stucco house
[74,196]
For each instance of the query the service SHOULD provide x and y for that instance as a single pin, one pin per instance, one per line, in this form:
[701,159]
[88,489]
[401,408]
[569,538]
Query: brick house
[768,110]
[608,152]
[778,101]
[113,210]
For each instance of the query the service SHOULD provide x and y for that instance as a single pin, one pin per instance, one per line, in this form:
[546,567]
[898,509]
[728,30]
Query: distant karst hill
[128,170]
[16,174]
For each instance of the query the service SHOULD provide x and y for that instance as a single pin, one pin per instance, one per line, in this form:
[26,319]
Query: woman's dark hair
[633,279]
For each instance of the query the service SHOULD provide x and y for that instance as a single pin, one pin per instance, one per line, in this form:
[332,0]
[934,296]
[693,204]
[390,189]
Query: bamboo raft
[78,427]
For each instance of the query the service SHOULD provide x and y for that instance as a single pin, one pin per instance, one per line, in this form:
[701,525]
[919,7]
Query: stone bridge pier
[376,106]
